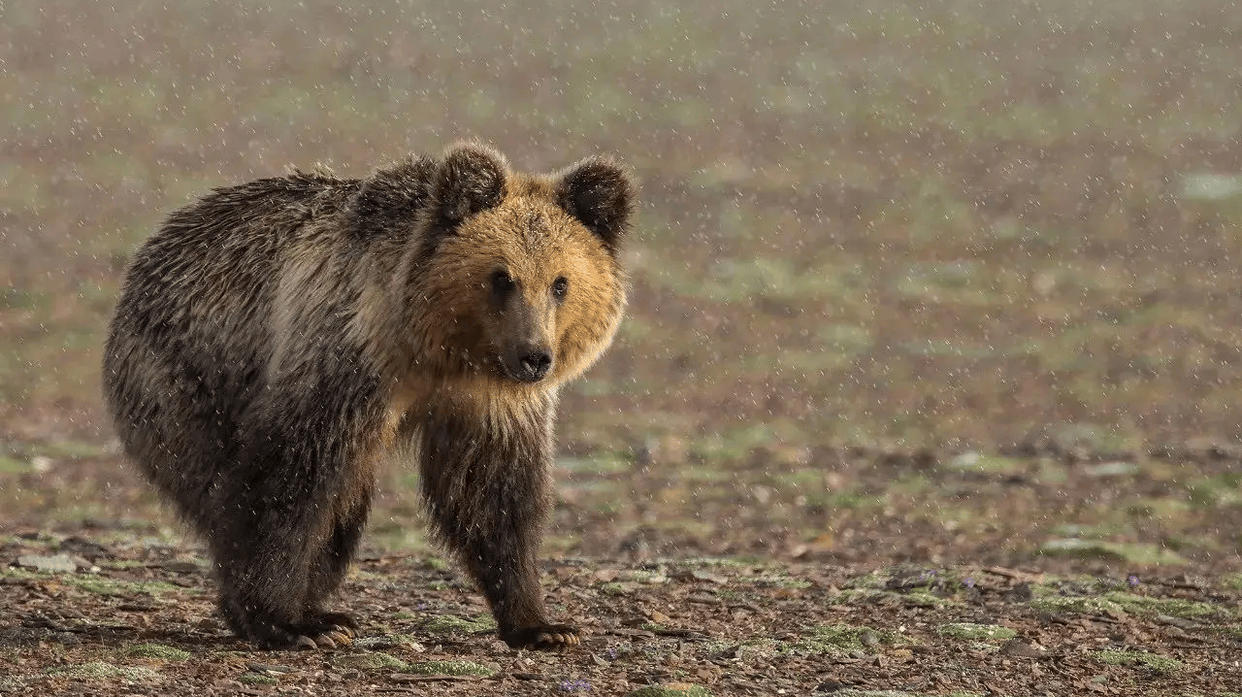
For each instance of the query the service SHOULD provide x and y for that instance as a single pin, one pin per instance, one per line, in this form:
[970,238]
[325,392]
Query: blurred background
[940,279]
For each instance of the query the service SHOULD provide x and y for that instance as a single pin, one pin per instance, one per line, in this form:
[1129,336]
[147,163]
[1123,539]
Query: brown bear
[274,338]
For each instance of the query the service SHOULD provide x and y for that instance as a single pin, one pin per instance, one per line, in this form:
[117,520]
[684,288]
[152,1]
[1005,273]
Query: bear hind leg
[265,589]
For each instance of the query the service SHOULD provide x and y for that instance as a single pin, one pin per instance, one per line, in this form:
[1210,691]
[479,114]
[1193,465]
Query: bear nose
[535,365]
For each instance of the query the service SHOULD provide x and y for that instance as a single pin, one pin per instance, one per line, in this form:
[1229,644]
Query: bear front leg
[487,490]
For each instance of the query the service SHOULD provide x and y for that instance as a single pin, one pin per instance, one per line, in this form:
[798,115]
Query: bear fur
[274,339]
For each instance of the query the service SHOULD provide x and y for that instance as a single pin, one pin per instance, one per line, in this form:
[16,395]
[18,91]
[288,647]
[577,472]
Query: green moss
[985,464]
[1158,664]
[1102,549]
[375,660]
[123,564]
[435,564]
[446,624]
[450,668]
[1177,607]
[922,597]
[99,670]
[159,651]
[1232,631]
[969,630]
[862,596]
[101,585]
[1083,604]
[12,465]
[71,450]
[839,639]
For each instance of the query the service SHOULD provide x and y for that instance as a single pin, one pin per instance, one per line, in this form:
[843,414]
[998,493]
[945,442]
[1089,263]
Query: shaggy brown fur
[274,338]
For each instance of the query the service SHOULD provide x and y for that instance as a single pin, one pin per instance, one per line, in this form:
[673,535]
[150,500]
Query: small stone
[59,562]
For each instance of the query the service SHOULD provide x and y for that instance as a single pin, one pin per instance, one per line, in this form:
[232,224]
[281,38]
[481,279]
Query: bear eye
[502,283]
[560,286]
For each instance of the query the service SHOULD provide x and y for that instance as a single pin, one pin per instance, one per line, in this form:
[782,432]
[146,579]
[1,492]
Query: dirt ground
[892,605]
[929,382]
[137,620]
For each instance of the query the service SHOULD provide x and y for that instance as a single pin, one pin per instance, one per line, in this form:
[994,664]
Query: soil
[131,611]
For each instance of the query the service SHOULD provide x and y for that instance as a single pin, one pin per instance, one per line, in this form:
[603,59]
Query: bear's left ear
[598,192]
[470,179]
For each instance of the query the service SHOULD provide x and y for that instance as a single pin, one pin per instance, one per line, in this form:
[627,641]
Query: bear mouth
[527,367]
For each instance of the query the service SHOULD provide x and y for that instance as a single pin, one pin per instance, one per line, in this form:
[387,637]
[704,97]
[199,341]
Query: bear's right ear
[598,191]
[471,179]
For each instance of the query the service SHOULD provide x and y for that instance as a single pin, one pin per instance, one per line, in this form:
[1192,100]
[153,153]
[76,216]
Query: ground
[137,620]
[966,563]
[939,286]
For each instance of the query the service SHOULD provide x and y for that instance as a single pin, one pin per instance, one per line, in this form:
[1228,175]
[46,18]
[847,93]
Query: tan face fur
[525,294]
[532,243]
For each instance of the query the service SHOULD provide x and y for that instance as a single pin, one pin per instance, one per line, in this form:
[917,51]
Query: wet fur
[275,338]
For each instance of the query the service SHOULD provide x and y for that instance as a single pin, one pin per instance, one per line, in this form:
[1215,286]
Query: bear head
[519,278]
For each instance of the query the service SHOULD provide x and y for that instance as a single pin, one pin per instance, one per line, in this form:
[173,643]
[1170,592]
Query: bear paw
[325,630]
[544,637]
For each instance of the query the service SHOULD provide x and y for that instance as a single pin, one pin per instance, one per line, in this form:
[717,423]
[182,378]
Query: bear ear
[471,179]
[599,192]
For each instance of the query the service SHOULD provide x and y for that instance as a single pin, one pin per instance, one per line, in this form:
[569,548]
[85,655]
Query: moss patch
[446,624]
[450,668]
[839,639]
[369,661]
[159,652]
[99,670]
[1103,549]
[1158,664]
[1085,605]
[1176,607]
[100,585]
[978,632]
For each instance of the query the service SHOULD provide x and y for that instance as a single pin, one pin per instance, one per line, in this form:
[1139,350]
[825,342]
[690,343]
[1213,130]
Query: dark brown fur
[275,338]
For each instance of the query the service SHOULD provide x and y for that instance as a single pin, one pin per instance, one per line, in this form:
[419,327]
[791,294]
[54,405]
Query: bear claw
[544,638]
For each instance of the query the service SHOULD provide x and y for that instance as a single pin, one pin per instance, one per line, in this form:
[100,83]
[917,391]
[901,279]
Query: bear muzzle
[528,363]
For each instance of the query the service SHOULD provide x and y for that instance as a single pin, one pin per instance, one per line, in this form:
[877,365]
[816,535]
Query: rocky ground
[136,619]
[120,607]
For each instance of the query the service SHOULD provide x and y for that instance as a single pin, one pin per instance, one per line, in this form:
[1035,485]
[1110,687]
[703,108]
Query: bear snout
[529,364]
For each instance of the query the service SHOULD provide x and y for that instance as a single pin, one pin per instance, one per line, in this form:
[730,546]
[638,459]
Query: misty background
[910,229]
